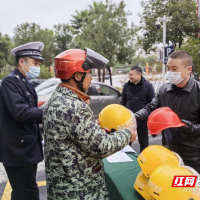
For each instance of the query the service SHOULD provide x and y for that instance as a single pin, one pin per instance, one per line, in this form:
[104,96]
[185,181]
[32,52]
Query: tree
[47,37]
[63,37]
[192,45]
[141,61]
[108,33]
[26,32]
[79,20]
[5,46]
[184,22]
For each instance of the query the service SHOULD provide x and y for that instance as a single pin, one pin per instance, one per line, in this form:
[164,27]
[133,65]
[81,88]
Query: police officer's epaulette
[17,76]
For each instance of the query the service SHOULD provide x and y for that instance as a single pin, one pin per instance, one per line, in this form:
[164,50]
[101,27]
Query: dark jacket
[186,105]
[20,138]
[138,98]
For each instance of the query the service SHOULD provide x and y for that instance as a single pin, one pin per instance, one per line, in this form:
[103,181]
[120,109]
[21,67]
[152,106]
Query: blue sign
[168,50]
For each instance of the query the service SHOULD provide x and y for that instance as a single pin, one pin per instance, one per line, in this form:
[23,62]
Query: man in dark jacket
[182,95]
[137,93]
[20,138]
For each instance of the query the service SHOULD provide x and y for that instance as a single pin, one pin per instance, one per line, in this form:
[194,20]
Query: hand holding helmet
[190,128]
[117,117]
[133,137]
[163,118]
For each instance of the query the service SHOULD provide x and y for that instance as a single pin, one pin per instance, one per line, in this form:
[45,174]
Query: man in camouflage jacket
[75,144]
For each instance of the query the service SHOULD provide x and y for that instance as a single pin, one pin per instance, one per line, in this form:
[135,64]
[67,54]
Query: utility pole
[164,20]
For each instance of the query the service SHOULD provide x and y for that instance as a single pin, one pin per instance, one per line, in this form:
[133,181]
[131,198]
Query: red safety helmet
[163,118]
[77,60]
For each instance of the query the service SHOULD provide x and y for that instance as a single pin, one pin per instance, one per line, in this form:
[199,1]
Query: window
[105,91]
[90,91]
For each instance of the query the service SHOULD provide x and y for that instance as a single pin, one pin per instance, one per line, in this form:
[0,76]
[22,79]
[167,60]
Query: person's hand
[88,102]
[133,137]
[189,127]
[98,122]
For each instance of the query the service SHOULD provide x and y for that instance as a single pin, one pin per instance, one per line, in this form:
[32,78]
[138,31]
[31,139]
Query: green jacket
[74,147]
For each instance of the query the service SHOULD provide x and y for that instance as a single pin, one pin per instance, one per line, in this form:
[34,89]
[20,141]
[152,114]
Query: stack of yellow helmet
[159,166]
[116,117]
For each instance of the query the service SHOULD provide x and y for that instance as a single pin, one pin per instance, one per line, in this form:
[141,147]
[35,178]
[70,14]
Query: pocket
[21,139]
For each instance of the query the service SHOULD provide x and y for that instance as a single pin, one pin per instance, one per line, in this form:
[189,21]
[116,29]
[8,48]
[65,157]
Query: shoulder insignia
[17,76]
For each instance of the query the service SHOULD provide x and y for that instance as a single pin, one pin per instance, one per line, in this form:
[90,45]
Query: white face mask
[175,77]
[33,72]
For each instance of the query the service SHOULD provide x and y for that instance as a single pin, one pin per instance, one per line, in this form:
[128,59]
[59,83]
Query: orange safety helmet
[163,118]
[77,60]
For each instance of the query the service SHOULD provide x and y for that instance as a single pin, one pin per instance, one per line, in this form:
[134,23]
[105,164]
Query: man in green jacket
[74,143]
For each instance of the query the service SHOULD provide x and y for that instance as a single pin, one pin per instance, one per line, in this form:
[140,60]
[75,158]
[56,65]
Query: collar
[138,84]
[80,94]
[187,88]
[23,79]
[20,76]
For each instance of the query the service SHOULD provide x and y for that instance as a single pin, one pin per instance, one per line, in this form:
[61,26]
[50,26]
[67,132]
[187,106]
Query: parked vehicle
[101,94]
[36,82]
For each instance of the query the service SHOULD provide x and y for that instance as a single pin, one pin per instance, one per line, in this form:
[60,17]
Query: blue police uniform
[20,137]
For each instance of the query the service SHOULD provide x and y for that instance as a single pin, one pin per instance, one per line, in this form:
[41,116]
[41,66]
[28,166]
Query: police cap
[32,50]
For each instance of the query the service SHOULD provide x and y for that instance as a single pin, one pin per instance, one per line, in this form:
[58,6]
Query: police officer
[20,138]
[74,142]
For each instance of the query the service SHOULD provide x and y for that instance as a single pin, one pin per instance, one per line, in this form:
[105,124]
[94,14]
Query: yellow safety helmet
[115,116]
[160,183]
[154,156]
[140,186]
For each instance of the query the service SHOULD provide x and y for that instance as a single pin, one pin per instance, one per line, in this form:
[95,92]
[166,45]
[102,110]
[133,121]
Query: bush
[44,73]
[3,74]
[6,70]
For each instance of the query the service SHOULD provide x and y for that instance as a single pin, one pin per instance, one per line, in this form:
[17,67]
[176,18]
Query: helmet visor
[94,60]
[131,124]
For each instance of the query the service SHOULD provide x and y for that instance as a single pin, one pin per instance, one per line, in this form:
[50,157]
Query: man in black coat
[182,95]
[20,138]
[137,93]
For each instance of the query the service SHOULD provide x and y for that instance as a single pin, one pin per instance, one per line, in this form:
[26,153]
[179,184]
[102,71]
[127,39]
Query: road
[5,189]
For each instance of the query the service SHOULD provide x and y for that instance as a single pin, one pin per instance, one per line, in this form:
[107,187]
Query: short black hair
[25,58]
[182,55]
[136,68]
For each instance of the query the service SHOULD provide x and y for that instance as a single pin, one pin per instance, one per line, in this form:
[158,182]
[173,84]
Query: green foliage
[184,21]
[5,71]
[192,46]
[44,73]
[26,32]
[141,61]
[107,32]
[5,45]
[63,37]
[79,20]
[103,27]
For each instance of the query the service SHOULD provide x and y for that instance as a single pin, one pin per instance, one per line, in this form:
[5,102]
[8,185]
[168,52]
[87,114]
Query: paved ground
[5,188]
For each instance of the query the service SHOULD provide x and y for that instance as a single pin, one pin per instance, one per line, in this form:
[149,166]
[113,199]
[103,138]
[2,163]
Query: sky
[47,13]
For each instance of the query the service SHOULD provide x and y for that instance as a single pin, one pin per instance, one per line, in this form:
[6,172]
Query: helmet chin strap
[80,83]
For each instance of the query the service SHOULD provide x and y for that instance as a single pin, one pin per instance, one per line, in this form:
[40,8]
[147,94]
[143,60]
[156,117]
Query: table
[120,178]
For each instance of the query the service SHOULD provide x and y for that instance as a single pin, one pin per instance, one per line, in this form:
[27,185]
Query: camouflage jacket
[74,147]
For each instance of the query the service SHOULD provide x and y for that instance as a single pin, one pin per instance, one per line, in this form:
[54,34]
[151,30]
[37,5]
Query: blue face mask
[33,72]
